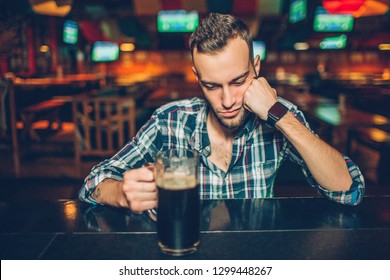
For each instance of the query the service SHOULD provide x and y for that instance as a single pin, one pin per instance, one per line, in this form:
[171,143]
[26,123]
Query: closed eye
[210,86]
[238,83]
[240,80]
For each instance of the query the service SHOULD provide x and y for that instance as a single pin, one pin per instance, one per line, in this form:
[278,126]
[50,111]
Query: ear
[257,64]
[196,73]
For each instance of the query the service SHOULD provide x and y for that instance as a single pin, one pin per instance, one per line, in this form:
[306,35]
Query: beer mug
[178,201]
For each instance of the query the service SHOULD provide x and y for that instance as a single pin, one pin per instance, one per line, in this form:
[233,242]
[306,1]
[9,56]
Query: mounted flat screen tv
[177,21]
[333,23]
[259,48]
[70,32]
[105,51]
[334,43]
[298,10]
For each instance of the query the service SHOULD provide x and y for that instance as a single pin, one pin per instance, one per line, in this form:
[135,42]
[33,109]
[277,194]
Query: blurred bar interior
[62,60]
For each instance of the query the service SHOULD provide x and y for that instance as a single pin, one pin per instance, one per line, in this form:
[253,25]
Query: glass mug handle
[152,213]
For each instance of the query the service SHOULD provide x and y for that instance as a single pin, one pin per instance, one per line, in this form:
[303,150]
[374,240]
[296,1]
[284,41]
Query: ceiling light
[301,46]
[384,47]
[44,48]
[127,47]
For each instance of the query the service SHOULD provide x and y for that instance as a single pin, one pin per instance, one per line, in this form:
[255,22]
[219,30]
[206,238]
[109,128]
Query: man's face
[224,78]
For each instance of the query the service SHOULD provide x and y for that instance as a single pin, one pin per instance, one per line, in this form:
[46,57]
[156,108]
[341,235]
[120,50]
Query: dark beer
[178,214]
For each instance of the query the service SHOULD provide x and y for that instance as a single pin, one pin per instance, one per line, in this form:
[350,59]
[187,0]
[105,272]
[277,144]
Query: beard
[234,124]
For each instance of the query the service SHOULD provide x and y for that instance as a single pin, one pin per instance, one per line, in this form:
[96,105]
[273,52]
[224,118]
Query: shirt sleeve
[351,197]
[134,154]
[356,191]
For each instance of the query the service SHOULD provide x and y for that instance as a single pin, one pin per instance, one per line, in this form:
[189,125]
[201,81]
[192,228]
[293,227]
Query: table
[333,118]
[64,80]
[284,228]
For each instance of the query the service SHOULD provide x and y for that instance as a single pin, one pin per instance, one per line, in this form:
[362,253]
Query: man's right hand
[139,189]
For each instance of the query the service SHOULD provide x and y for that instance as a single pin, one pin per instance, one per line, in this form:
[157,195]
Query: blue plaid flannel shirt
[258,151]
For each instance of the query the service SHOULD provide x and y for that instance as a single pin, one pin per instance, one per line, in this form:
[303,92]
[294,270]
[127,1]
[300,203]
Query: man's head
[221,49]
[215,31]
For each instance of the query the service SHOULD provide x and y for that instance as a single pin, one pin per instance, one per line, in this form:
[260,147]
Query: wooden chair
[50,108]
[102,126]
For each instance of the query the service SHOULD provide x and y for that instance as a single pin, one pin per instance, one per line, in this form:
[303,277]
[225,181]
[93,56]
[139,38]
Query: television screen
[70,32]
[298,10]
[177,21]
[259,48]
[105,51]
[332,23]
[334,43]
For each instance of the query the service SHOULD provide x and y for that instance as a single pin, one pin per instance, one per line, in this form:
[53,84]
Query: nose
[228,98]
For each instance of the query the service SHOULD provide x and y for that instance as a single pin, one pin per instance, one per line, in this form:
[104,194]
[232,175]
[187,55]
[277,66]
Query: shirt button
[208,148]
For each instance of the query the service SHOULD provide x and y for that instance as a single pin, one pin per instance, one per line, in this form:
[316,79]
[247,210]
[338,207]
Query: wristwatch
[276,112]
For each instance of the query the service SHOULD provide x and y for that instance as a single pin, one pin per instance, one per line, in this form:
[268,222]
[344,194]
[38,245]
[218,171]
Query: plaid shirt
[258,151]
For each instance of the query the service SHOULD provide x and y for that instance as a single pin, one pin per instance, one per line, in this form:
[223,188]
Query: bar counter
[280,228]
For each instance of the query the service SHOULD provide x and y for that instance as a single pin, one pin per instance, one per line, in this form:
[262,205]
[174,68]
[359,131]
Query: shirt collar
[199,139]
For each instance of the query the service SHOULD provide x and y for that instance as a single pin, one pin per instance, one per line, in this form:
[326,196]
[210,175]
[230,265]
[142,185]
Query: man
[242,132]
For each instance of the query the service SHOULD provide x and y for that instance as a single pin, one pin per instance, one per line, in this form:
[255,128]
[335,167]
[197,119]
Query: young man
[241,130]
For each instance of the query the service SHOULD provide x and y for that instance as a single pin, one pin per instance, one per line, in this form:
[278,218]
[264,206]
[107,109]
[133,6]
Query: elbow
[346,185]
[341,184]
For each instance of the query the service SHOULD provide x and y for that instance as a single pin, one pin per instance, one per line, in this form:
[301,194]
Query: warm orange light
[127,47]
[384,47]
[378,135]
[379,120]
[51,7]
[44,48]
[372,8]
[70,210]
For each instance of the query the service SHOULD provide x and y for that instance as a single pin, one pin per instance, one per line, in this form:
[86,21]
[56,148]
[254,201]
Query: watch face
[277,111]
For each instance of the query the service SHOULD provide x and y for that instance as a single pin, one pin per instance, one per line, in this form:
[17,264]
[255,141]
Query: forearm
[109,192]
[324,162]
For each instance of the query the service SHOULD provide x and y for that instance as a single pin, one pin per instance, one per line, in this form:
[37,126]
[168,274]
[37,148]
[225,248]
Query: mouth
[231,113]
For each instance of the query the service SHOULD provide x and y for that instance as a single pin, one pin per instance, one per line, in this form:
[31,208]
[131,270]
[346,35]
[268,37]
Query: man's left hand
[259,97]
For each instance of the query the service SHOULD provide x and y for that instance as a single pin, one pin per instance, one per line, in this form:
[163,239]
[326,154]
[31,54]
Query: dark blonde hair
[214,32]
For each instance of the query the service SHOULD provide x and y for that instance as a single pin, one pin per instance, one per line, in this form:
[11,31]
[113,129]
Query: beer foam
[176,181]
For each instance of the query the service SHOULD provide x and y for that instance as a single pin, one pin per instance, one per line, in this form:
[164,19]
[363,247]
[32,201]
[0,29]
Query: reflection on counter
[231,215]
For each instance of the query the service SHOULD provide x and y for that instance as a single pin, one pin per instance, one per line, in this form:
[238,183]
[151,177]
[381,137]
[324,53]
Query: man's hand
[139,189]
[259,97]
